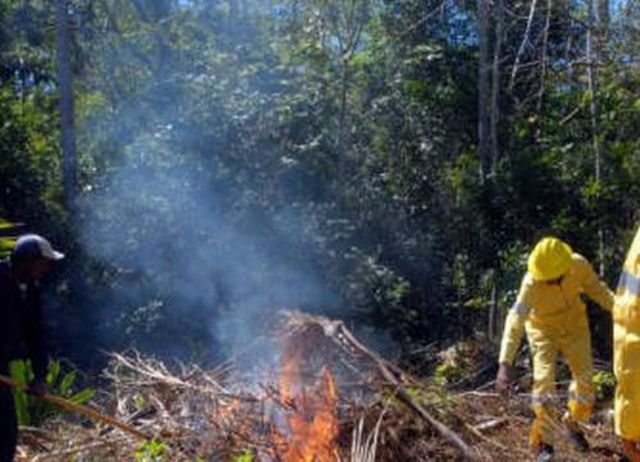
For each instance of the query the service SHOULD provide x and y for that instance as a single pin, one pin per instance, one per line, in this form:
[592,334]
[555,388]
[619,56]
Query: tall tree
[592,60]
[496,74]
[65,88]
[603,14]
[484,88]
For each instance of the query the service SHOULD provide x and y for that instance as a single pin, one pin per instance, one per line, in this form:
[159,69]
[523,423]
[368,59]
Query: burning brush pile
[331,399]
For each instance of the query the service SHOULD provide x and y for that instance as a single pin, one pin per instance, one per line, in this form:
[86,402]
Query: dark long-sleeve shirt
[21,324]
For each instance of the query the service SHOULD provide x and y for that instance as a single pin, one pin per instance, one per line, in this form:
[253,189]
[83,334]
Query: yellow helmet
[550,259]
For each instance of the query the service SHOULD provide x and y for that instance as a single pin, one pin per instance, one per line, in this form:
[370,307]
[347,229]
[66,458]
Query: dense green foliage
[31,410]
[338,137]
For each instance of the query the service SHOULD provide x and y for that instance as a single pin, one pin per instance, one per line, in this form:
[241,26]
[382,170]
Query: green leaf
[6,246]
[53,372]
[18,370]
[83,396]
[67,383]
[243,457]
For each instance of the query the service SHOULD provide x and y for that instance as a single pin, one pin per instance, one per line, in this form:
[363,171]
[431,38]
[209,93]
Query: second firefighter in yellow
[626,357]
[550,309]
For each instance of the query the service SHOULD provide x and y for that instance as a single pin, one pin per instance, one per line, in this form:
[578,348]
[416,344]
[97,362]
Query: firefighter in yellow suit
[626,357]
[550,309]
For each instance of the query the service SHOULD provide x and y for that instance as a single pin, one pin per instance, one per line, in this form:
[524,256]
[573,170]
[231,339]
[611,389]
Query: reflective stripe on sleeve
[629,283]
[520,308]
[582,398]
[542,400]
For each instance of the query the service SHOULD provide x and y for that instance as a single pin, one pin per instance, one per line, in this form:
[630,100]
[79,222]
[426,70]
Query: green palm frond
[8,236]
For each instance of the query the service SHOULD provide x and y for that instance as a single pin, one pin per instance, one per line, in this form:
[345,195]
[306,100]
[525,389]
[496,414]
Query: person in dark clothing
[21,325]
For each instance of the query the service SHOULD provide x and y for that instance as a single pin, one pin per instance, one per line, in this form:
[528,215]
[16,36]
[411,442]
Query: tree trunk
[495,90]
[595,128]
[65,87]
[523,44]
[483,87]
[342,119]
[603,15]
[545,54]
[602,20]
[493,314]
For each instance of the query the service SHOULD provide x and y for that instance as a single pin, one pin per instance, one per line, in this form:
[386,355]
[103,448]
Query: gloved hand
[506,378]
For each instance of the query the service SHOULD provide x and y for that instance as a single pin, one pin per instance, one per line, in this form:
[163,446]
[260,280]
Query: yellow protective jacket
[626,335]
[557,311]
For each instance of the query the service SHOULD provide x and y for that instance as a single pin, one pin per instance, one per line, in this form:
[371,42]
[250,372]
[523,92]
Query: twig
[59,455]
[424,19]
[569,117]
[490,425]
[523,45]
[494,443]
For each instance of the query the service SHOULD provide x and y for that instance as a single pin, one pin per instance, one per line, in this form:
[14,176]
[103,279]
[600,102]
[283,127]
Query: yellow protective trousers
[626,358]
[575,347]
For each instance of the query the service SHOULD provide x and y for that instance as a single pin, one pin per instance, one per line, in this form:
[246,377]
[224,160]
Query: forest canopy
[205,163]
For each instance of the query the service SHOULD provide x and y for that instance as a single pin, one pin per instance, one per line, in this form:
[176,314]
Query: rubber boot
[544,453]
[575,434]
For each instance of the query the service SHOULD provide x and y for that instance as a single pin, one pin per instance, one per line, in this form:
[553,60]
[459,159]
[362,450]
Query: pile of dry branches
[382,413]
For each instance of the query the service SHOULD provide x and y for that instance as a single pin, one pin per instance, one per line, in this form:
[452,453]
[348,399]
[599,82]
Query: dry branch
[77,408]
[219,414]
[402,393]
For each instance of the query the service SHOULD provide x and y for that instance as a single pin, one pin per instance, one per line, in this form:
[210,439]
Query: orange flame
[313,423]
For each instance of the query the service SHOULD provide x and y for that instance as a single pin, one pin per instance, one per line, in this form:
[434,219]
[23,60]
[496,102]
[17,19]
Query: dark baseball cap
[35,246]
